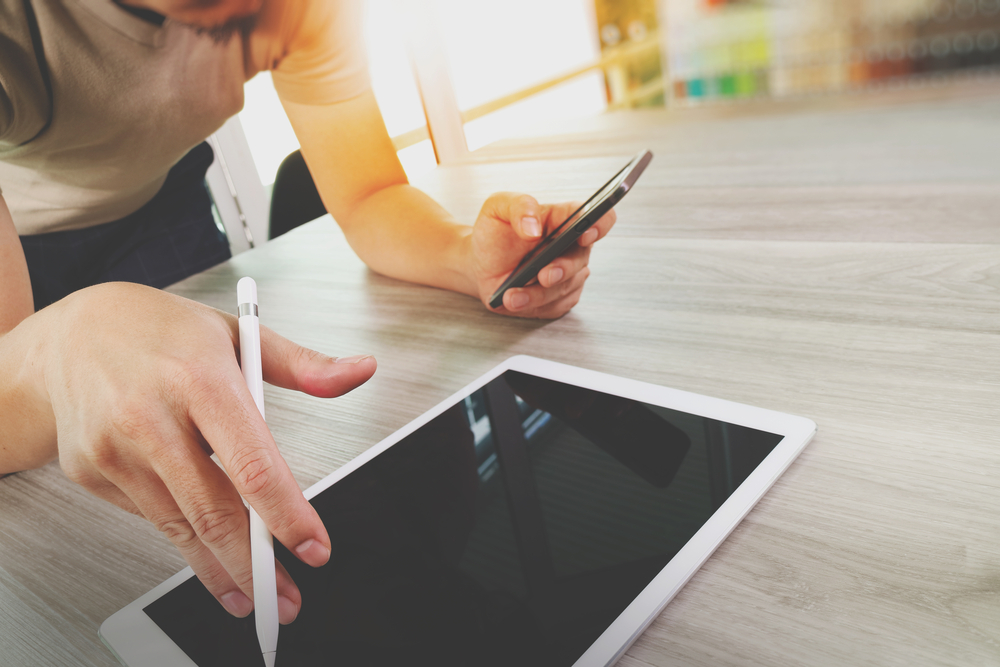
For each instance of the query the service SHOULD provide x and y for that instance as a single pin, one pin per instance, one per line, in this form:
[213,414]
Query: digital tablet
[543,515]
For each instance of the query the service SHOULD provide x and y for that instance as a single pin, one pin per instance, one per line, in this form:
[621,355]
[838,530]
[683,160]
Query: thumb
[289,365]
[521,212]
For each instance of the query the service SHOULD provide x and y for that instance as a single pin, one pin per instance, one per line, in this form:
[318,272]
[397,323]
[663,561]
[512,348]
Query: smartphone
[562,237]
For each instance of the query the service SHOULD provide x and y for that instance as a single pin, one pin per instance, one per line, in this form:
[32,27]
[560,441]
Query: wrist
[461,261]
[28,431]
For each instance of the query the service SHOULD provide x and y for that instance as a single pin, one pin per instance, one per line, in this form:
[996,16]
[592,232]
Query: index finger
[229,420]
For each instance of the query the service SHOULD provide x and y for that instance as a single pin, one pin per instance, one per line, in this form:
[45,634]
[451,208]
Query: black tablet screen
[510,530]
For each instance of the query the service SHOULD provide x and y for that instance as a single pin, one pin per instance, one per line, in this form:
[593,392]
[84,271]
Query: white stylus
[265,590]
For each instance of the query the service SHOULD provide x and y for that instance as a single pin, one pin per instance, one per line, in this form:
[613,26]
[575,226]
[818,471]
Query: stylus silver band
[245,309]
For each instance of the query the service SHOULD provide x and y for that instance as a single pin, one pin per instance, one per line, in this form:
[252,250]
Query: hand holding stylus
[142,394]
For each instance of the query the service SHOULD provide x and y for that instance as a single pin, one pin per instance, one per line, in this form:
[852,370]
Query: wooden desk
[845,267]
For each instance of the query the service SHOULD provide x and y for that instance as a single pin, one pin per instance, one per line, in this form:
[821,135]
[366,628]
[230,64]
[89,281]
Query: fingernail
[555,275]
[237,604]
[353,360]
[519,300]
[313,553]
[287,610]
[530,226]
[588,237]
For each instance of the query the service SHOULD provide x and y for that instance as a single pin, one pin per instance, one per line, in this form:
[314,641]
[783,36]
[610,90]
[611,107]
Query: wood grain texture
[670,201]
[816,284]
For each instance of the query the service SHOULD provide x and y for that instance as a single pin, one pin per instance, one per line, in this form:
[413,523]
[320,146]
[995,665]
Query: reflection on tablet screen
[510,530]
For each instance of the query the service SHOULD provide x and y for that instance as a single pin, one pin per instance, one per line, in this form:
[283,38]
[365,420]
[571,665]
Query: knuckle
[304,357]
[252,472]
[200,379]
[77,473]
[194,382]
[132,419]
[217,525]
[175,374]
[179,531]
[103,456]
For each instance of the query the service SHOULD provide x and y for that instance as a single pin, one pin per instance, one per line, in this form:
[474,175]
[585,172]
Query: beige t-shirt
[130,98]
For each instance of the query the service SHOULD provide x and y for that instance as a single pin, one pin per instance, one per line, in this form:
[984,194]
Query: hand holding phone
[562,237]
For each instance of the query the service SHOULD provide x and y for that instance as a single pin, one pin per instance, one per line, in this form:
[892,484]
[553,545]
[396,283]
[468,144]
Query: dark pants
[170,238]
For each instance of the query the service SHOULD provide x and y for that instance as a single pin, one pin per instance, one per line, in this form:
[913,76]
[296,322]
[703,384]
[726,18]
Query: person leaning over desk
[103,111]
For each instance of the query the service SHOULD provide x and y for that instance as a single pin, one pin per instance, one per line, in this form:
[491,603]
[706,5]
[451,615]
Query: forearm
[27,426]
[395,229]
[401,232]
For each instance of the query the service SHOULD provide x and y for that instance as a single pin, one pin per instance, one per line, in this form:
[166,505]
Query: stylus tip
[246,290]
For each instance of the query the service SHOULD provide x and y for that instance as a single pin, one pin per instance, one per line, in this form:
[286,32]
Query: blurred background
[452,76]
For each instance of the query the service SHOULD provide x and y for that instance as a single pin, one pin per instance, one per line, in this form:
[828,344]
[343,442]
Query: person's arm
[133,389]
[401,232]
[362,183]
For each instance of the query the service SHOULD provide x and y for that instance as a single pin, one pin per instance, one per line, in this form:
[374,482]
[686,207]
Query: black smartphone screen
[559,239]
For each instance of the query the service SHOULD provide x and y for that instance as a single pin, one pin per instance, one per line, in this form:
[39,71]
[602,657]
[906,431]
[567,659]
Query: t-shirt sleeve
[25,106]
[24,102]
[6,110]
[325,59]
[8,57]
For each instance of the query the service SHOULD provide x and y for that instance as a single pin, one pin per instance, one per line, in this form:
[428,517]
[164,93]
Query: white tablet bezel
[138,642]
